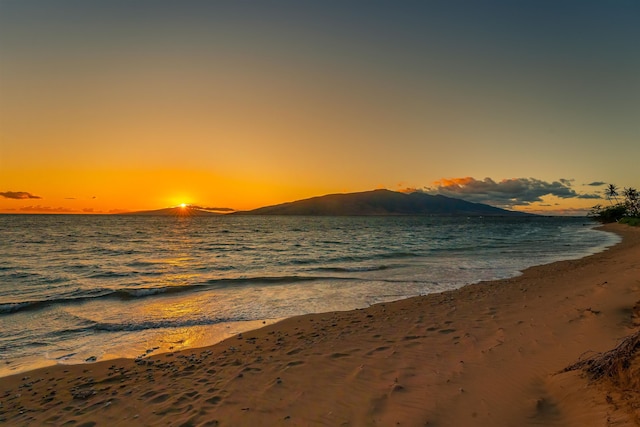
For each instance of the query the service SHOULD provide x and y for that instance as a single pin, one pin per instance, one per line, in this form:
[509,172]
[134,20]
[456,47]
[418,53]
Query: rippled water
[78,287]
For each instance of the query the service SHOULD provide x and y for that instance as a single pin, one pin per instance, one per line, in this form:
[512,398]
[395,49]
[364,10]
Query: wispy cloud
[213,209]
[508,192]
[46,209]
[18,195]
[597,184]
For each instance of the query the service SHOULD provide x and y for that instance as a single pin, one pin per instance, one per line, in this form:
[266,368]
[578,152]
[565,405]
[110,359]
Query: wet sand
[486,354]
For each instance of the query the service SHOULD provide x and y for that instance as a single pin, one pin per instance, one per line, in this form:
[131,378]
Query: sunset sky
[131,105]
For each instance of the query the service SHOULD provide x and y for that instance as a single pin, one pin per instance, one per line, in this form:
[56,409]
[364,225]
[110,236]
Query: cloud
[508,192]
[19,195]
[46,209]
[409,190]
[597,184]
[212,209]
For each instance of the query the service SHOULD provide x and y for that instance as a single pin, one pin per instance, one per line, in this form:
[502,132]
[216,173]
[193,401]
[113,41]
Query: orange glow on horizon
[102,191]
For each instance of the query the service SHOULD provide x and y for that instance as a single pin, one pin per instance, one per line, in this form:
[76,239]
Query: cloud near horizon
[213,209]
[506,193]
[46,209]
[18,195]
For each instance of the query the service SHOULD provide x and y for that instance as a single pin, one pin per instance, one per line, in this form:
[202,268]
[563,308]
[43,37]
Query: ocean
[80,288]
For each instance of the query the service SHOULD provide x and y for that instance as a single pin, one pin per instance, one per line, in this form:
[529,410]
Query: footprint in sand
[412,337]
[214,400]
[160,398]
[338,355]
[377,349]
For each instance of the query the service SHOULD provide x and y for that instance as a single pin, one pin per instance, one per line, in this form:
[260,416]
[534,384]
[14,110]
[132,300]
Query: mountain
[382,202]
[179,211]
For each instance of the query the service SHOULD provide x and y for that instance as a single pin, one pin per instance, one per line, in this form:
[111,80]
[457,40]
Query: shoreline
[205,337]
[484,354]
[158,340]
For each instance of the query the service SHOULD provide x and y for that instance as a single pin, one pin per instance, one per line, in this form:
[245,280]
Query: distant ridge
[179,211]
[382,202]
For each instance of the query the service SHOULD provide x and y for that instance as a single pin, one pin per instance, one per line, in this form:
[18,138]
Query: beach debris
[91,359]
[590,310]
[397,387]
[612,364]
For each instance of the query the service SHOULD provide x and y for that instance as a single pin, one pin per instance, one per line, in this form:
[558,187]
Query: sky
[109,106]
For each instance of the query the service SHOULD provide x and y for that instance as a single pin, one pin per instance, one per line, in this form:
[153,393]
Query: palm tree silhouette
[632,201]
[612,191]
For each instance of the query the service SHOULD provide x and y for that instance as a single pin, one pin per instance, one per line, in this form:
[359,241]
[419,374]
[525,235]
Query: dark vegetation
[626,211]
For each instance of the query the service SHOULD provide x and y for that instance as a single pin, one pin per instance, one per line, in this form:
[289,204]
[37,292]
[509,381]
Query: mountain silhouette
[382,202]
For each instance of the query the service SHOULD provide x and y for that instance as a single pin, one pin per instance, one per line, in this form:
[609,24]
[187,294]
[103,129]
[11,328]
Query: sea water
[75,289]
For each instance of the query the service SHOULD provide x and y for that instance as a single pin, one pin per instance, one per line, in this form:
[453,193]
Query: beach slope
[487,354]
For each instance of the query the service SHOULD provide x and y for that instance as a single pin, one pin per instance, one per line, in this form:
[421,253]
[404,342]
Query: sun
[183,205]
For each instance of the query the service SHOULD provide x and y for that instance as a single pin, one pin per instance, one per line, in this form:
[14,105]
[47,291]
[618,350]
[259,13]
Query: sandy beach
[490,354]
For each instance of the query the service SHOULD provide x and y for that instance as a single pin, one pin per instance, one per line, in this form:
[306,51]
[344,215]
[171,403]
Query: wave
[13,307]
[354,258]
[159,324]
[143,263]
[269,280]
[399,254]
[354,269]
[126,294]
[146,325]
[107,275]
